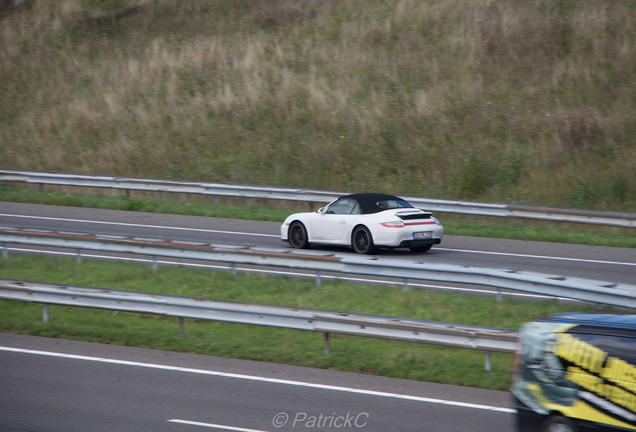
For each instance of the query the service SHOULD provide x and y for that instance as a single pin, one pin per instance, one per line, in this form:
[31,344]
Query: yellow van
[576,372]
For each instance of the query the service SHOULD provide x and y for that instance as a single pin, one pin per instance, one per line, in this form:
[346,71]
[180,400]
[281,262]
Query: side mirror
[321,210]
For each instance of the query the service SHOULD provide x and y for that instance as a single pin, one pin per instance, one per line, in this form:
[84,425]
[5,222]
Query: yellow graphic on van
[579,409]
[610,380]
[580,353]
[620,372]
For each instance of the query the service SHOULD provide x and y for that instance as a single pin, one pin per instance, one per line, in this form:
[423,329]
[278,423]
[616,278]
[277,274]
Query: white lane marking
[214,426]
[143,225]
[286,273]
[582,260]
[259,379]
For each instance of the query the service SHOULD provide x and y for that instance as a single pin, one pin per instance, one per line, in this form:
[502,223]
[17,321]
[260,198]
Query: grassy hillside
[513,100]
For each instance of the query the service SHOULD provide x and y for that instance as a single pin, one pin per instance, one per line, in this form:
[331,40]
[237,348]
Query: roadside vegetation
[348,353]
[507,101]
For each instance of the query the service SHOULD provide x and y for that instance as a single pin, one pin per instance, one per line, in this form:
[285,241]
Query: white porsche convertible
[366,222]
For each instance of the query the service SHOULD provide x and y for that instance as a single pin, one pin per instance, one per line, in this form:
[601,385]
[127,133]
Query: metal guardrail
[323,321]
[619,219]
[608,293]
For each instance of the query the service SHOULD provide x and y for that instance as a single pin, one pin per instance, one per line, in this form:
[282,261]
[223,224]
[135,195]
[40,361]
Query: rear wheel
[557,423]
[362,241]
[298,236]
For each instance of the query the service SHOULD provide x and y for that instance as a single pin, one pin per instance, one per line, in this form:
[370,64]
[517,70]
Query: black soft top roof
[369,201]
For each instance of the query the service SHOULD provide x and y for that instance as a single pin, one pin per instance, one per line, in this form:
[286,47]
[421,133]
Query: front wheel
[557,423]
[298,236]
[362,241]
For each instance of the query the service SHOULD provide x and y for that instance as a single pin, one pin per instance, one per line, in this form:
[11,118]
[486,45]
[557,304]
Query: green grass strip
[348,353]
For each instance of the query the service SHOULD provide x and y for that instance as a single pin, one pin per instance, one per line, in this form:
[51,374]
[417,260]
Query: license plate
[423,235]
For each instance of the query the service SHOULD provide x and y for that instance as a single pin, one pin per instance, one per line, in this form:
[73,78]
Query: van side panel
[582,372]
[603,368]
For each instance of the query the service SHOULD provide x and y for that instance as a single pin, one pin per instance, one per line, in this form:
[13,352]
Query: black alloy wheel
[298,236]
[362,241]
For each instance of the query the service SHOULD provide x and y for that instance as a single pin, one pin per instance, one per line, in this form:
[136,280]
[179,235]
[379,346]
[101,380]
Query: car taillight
[393,224]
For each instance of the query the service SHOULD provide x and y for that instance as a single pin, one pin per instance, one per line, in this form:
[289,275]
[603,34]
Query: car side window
[356,209]
[343,206]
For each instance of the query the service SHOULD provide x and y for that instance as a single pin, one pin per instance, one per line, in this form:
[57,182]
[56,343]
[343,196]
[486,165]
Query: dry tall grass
[509,100]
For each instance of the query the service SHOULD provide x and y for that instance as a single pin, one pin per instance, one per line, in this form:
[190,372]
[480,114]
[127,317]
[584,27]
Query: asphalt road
[609,264]
[52,385]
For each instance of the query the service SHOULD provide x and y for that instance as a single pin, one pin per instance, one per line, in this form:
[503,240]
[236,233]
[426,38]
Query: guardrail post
[181,326]
[234,270]
[327,345]
[78,257]
[45,313]
[154,264]
[498,295]
[406,285]
[318,281]
[488,362]
[5,250]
